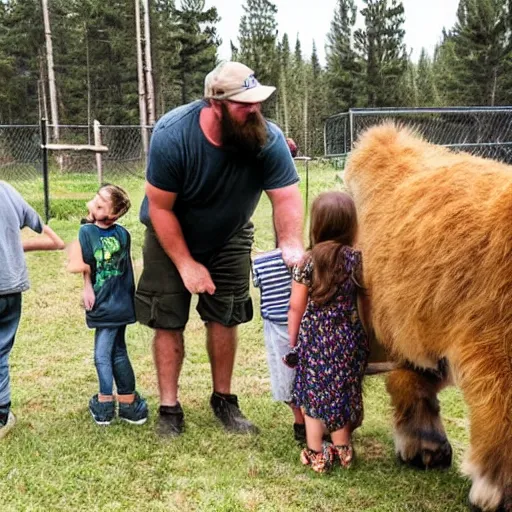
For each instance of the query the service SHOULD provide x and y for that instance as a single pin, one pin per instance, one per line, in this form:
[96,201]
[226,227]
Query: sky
[311,19]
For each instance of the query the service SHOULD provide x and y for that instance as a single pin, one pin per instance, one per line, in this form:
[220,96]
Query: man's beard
[249,136]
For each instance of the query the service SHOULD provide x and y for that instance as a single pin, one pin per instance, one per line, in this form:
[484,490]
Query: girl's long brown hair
[333,227]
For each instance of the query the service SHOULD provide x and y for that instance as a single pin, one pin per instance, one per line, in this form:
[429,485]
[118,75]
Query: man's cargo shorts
[163,302]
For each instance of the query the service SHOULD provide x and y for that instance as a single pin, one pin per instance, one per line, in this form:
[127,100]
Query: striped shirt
[274,280]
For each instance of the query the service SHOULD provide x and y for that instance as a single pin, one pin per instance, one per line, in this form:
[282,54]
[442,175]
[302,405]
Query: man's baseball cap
[235,82]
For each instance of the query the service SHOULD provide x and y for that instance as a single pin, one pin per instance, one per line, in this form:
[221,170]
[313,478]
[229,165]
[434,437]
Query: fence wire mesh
[20,152]
[73,175]
[482,131]
[126,154]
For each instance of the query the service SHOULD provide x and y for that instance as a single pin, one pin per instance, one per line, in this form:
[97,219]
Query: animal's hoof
[504,507]
[431,459]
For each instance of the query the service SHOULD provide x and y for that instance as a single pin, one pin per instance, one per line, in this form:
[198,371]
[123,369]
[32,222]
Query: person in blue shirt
[108,300]
[209,162]
[15,214]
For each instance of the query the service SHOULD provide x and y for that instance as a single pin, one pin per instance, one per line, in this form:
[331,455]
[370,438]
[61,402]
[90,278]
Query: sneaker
[171,420]
[320,462]
[102,412]
[5,427]
[345,454]
[135,413]
[225,408]
[299,432]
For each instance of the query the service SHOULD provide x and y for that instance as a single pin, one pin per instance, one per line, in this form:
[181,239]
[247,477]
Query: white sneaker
[11,421]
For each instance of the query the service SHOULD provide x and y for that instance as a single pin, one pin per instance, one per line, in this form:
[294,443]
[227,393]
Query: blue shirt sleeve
[279,168]
[32,219]
[28,217]
[165,162]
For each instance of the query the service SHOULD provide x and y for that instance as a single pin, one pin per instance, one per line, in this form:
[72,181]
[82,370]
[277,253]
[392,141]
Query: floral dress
[332,350]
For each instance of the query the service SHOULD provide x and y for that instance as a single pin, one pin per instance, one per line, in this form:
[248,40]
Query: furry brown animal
[436,235]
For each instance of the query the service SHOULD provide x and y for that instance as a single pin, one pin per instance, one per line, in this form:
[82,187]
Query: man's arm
[288,217]
[49,242]
[196,277]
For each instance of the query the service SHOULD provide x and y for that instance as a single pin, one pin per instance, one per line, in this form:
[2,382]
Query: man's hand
[89,298]
[196,278]
[292,254]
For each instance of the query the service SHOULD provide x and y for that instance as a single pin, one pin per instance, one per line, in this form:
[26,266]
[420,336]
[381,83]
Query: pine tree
[318,108]
[426,84]
[282,101]
[257,48]
[299,92]
[408,87]
[21,38]
[482,45]
[95,57]
[446,69]
[197,40]
[258,37]
[381,45]
[165,56]
[315,62]
[343,68]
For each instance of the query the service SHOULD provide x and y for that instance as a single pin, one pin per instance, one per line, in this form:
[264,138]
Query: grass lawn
[58,459]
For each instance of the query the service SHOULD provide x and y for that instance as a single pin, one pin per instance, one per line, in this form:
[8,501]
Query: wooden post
[140,78]
[97,142]
[44,158]
[51,73]
[150,90]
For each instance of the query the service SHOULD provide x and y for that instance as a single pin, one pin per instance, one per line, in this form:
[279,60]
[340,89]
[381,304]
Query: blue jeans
[10,313]
[111,360]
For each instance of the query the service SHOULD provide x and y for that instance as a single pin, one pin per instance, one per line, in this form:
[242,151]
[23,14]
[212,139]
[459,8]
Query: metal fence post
[351,120]
[306,160]
[44,158]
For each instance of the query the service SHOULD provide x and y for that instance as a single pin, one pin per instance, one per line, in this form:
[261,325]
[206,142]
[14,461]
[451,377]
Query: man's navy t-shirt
[217,189]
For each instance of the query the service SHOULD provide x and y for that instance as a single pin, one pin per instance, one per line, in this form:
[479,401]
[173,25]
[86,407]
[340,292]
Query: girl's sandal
[345,455]
[320,462]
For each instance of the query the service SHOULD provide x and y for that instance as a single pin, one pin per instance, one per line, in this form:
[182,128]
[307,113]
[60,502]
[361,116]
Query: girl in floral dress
[327,333]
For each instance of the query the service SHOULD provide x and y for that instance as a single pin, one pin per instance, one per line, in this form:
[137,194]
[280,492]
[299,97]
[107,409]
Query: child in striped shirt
[273,278]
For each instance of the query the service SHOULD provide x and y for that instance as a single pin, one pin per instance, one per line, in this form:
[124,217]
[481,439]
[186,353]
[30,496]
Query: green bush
[61,209]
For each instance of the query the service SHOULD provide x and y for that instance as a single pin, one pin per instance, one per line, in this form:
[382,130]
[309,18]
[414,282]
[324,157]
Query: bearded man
[209,162]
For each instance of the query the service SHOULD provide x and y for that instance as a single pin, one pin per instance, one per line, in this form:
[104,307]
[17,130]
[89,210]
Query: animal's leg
[489,459]
[420,439]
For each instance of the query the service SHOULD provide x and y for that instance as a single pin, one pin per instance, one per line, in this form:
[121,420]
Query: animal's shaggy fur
[435,228]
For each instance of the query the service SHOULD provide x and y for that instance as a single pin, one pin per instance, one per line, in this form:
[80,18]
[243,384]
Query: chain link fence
[126,156]
[482,131]
[20,152]
[72,175]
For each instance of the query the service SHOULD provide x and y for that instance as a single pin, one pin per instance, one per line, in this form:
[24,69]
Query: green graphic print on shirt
[107,252]
[108,258]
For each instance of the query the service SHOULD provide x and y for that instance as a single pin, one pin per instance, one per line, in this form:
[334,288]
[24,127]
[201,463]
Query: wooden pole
[44,159]
[150,89]
[140,77]
[87,57]
[97,142]
[44,104]
[51,73]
